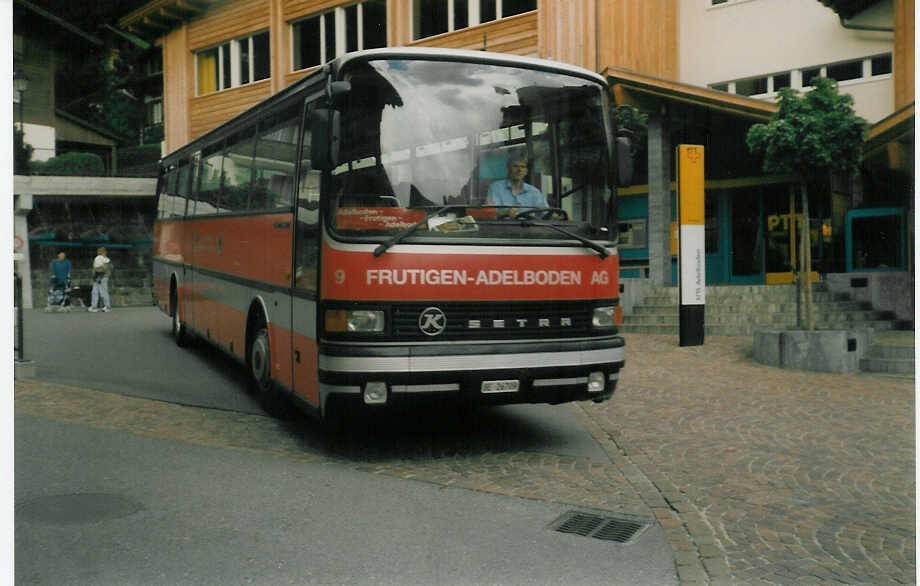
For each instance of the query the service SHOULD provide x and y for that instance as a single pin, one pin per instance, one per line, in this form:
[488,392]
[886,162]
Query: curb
[697,554]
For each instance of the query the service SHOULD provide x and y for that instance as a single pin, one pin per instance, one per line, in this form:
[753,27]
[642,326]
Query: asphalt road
[97,507]
[130,351]
[103,504]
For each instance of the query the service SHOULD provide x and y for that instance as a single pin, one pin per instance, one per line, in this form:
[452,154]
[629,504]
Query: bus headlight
[604,317]
[354,320]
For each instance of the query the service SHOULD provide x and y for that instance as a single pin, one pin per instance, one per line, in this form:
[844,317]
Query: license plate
[500,386]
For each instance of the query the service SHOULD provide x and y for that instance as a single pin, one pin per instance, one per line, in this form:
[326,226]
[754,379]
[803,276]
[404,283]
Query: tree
[22,154]
[94,83]
[810,137]
[633,124]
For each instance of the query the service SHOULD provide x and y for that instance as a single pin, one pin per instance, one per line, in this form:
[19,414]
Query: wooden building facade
[594,34]
[636,44]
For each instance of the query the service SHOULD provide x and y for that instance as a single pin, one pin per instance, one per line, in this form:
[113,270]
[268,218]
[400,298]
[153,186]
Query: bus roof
[434,54]
[438,54]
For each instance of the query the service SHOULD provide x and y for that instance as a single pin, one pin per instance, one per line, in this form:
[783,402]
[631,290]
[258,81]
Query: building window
[434,17]
[781,81]
[233,64]
[513,7]
[633,233]
[153,63]
[431,17]
[845,71]
[751,87]
[324,37]
[808,76]
[881,65]
[154,111]
[771,84]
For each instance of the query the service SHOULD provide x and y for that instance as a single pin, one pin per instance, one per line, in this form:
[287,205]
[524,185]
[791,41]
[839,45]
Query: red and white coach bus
[339,237]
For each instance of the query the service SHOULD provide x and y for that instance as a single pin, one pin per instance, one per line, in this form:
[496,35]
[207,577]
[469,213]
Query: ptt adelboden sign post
[692,251]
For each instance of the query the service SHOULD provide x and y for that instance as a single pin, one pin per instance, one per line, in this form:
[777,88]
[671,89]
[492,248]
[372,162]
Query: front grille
[496,320]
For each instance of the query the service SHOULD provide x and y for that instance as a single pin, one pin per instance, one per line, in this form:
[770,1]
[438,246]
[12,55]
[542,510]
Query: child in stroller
[59,295]
[60,290]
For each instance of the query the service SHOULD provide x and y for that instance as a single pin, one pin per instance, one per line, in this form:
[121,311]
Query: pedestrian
[60,270]
[102,268]
[59,291]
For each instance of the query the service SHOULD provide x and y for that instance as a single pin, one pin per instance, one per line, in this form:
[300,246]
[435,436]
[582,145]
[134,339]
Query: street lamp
[20,85]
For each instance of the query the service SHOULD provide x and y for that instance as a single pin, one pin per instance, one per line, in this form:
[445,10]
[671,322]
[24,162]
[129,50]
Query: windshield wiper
[398,237]
[572,190]
[601,250]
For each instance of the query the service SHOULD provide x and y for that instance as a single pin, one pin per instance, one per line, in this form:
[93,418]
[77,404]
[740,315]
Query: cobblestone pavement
[757,475]
[763,475]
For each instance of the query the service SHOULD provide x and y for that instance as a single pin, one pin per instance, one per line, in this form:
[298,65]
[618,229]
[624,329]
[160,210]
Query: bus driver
[514,191]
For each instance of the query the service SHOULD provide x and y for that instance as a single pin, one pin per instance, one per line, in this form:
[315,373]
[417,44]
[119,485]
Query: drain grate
[598,527]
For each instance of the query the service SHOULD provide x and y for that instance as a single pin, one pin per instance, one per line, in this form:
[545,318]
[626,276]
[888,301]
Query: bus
[341,239]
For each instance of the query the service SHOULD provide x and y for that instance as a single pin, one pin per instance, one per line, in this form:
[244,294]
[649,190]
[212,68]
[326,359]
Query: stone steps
[888,358]
[720,298]
[767,318]
[741,310]
[745,329]
[733,306]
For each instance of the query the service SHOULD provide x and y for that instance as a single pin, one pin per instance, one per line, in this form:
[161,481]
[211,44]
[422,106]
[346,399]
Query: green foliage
[811,135]
[71,164]
[139,155]
[22,154]
[631,122]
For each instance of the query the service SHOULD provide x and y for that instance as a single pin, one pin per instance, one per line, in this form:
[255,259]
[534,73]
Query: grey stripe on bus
[477,362]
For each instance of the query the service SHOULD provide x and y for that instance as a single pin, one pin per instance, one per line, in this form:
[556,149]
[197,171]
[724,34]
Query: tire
[260,369]
[260,362]
[179,332]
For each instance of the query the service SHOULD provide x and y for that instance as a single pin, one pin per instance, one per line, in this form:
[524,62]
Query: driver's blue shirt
[500,194]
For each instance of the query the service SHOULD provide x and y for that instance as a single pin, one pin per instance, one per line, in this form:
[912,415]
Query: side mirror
[325,133]
[336,91]
[625,165]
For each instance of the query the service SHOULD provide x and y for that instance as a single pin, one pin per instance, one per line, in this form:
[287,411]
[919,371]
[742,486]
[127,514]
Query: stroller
[60,296]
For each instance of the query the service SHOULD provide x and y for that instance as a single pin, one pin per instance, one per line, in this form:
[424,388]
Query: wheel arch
[256,318]
[173,293]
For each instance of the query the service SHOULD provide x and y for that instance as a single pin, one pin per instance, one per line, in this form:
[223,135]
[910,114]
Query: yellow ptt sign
[691,182]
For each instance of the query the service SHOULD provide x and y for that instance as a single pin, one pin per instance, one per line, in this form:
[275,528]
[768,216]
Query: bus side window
[276,156]
[194,170]
[166,196]
[211,172]
[306,245]
[238,160]
[182,189]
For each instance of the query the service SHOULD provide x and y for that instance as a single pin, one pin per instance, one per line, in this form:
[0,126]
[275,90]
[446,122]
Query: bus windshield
[444,149]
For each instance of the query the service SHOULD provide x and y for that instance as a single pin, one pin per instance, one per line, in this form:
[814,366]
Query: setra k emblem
[432,321]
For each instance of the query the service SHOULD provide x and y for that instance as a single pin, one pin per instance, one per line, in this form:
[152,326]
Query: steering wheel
[542,214]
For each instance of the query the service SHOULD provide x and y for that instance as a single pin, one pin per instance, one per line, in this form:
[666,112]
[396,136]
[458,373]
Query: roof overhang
[71,128]
[60,23]
[156,18]
[848,8]
[890,136]
[650,93]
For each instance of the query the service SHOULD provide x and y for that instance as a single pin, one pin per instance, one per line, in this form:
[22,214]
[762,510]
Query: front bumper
[546,372]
